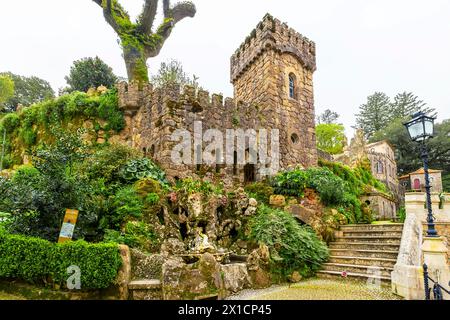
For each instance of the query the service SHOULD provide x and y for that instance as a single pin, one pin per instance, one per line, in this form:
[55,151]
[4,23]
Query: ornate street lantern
[421,128]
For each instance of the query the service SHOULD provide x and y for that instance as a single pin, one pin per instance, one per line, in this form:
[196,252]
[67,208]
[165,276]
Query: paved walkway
[320,289]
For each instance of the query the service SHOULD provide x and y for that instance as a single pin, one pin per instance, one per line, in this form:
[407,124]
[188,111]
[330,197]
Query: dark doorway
[249,173]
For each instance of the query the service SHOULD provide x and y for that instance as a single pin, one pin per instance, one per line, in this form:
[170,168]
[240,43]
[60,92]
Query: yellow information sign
[68,226]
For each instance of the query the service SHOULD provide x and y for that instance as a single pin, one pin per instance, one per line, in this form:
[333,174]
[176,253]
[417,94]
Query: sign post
[68,226]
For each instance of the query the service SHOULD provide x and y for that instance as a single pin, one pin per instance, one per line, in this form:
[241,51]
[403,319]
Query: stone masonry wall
[260,72]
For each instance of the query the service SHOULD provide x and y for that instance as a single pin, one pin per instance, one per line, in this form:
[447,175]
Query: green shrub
[25,173]
[125,204]
[143,168]
[38,261]
[10,122]
[189,186]
[330,187]
[402,214]
[261,191]
[290,183]
[292,247]
[139,235]
[152,198]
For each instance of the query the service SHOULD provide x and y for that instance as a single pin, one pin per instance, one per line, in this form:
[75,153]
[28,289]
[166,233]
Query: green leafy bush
[402,214]
[189,186]
[143,168]
[261,191]
[292,247]
[152,198]
[39,261]
[10,122]
[126,203]
[136,234]
[330,187]
[290,183]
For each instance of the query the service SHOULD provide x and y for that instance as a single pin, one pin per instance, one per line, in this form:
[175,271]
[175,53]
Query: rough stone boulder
[235,277]
[183,281]
[302,213]
[258,267]
[172,246]
[146,266]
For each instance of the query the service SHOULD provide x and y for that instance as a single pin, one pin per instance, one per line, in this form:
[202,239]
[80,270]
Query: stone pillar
[407,277]
[435,256]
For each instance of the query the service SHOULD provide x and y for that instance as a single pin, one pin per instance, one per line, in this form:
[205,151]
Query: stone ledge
[144,284]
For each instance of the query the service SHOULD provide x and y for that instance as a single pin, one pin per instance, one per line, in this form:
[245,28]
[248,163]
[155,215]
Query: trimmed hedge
[39,261]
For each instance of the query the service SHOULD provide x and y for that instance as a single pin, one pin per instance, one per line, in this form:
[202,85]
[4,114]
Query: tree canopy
[28,91]
[140,40]
[379,111]
[90,73]
[328,117]
[331,137]
[6,90]
[172,72]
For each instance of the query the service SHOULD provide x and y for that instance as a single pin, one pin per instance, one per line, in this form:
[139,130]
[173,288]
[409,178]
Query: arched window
[379,167]
[292,86]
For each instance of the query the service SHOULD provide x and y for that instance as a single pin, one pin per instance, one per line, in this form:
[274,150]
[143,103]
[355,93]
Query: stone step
[363,261]
[370,239]
[144,284]
[387,254]
[351,268]
[146,289]
[372,233]
[365,246]
[336,274]
[378,227]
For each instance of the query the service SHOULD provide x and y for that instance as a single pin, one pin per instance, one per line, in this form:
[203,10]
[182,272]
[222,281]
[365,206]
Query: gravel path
[320,289]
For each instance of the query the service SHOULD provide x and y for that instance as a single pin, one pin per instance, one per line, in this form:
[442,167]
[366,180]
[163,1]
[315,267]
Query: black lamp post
[421,128]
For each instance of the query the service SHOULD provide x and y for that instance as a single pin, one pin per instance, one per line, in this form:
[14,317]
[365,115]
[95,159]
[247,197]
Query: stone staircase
[364,251]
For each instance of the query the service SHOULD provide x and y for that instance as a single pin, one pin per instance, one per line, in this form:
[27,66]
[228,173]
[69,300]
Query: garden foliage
[292,247]
[39,261]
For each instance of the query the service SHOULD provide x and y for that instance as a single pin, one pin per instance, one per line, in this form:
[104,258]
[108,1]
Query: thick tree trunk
[136,63]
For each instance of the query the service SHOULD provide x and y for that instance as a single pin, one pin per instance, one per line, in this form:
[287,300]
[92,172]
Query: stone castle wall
[260,71]
[164,111]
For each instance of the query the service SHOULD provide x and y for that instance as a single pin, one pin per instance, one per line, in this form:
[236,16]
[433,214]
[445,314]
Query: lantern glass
[429,127]
[416,130]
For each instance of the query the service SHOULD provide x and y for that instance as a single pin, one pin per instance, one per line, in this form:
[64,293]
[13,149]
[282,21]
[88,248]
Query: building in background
[415,181]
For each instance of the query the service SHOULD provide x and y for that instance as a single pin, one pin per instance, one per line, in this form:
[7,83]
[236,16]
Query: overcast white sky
[362,45]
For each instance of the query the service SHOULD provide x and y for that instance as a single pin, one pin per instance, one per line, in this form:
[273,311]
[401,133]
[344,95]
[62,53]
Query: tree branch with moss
[138,39]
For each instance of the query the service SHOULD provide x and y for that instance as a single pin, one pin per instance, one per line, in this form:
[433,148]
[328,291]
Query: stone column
[407,277]
[435,256]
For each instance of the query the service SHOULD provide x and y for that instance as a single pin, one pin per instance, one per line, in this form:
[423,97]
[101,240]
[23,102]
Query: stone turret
[274,68]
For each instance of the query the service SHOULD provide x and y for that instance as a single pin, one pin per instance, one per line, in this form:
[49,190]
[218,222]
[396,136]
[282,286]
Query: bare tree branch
[183,10]
[148,16]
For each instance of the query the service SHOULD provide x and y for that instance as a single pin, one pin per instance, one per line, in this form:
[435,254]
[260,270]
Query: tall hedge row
[40,261]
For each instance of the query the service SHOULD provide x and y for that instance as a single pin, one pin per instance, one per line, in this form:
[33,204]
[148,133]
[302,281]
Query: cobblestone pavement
[320,289]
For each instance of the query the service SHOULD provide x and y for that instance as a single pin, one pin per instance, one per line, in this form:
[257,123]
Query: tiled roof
[420,171]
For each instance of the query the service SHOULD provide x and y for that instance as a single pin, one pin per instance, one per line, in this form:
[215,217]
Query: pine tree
[406,104]
[375,114]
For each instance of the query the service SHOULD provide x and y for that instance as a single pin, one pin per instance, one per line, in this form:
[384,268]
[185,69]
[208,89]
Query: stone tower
[274,69]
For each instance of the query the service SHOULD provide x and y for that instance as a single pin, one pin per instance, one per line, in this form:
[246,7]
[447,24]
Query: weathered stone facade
[384,168]
[261,71]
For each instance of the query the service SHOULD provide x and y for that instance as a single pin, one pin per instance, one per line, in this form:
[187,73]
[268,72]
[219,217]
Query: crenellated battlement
[272,34]
[261,72]
[132,95]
